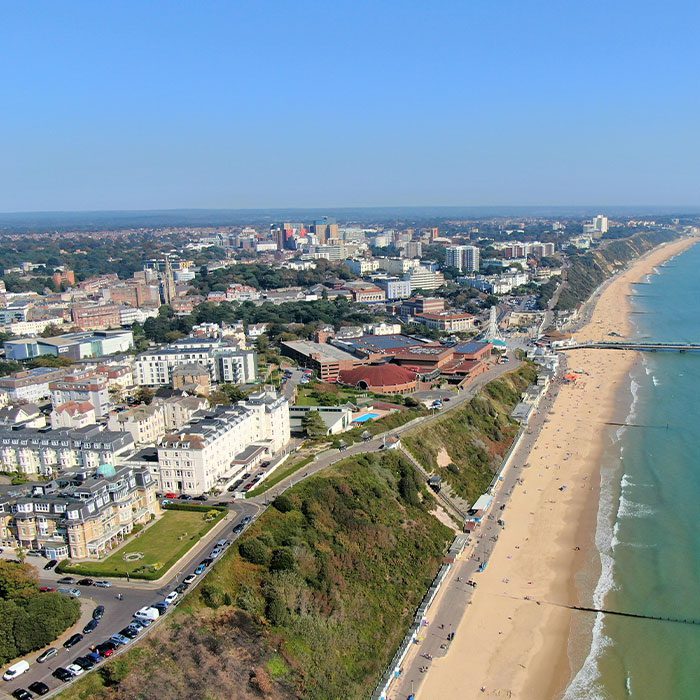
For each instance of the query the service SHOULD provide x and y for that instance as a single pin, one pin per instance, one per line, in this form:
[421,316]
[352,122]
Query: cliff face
[311,602]
[589,269]
[466,446]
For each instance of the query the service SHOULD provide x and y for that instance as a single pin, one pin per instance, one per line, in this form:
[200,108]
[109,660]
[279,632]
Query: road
[453,599]
[136,594]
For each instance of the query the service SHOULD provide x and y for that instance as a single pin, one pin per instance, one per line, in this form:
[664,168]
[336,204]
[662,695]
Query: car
[181,588]
[202,497]
[199,570]
[63,674]
[85,662]
[160,607]
[170,495]
[46,589]
[21,694]
[206,561]
[103,584]
[232,488]
[50,564]
[144,622]
[239,528]
[223,543]
[16,670]
[75,592]
[34,553]
[119,639]
[184,497]
[95,656]
[139,625]
[98,612]
[75,670]
[223,504]
[72,641]
[247,487]
[189,580]
[214,553]
[86,582]
[91,626]
[246,519]
[46,655]
[129,632]
[66,579]
[106,649]
[38,688]
[171,597]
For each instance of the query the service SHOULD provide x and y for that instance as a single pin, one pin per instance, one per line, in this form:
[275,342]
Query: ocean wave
[630,509]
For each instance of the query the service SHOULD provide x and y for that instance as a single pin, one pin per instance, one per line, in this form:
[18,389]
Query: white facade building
[464,257]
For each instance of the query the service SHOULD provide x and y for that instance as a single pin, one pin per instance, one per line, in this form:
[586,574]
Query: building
[397,266]
[73,346]
[133,293]
[192,378]
[145,423]
[224,362]
[423,278]
[325,229]
[73,414]
[96,318]
[79,515]
[325,359]
[45,452]
[365,292]
[394,288]
[464,257]
[381,379]
[338,419]
[30,385]
[179,410]
[413,249]
[421,305]
[363,266]
[66,277]
[218,445]
[25,415]
[82,387]
[447,321]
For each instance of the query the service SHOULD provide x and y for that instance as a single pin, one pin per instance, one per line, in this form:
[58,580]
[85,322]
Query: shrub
[282,560]
[254,551]
[283,503]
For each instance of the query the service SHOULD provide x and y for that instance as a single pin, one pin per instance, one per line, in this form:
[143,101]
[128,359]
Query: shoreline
[515,638]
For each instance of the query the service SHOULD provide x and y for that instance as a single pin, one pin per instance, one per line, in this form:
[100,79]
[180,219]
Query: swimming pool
[365,418]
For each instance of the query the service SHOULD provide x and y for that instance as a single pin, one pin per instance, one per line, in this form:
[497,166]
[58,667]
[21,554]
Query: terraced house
[83,514]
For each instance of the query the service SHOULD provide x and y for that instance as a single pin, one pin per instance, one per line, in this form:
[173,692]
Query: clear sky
[164,104]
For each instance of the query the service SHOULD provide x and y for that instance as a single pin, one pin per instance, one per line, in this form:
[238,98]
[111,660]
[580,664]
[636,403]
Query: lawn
[162,544]
[280,473]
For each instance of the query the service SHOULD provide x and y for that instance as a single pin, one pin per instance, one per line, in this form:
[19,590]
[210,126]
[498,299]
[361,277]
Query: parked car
[246,519]
[181,588]
[199,570]
[170,495]
[106,649]
[46,589]
[86,582]
[15,670]
[129,632]
[85,662]
[184,497]
[98,612]
[46,655]
[147,613]
[50,564]
[201,497]
[63,674]
[171,597]
[72,641]
[21,694]
[34,553]
[206,561]
[75,670]
[66,579]
[119,639]
[160,607]
[74,592]
[103,584]
[214,553]
[189,580]
[95,656]
[38,688]
[91,626]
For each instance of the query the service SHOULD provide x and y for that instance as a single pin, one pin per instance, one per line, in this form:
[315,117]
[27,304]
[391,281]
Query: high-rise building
[325,229]
[464,257]
[600,224]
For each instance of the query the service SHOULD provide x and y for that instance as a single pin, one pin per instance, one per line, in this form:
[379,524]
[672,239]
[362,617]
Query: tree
[226,394]
[283,503]
[254,551]
[17,581]
[313,425]
[144,395]
[50,331]
[282,560]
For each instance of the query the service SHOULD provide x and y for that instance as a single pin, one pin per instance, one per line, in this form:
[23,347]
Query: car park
[91,626]
[38,688]
[17,669]
[98,612]
[63,674]
[72,641]
[75,670]
[21,694]
[50,564]
[189,580]
[46,655]
[103,584]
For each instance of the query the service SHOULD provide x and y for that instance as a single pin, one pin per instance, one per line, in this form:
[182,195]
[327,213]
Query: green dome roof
[106,470]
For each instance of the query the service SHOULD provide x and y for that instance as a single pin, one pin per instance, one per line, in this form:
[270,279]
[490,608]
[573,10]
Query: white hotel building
[218,445]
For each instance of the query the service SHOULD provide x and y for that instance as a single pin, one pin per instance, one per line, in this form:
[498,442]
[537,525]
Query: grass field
[162,544]
[280,473]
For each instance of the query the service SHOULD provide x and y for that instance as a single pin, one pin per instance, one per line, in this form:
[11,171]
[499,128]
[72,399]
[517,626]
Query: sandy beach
[513,640]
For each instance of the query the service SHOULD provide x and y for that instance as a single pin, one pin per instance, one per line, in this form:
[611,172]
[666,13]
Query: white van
[16,670]
[147,613]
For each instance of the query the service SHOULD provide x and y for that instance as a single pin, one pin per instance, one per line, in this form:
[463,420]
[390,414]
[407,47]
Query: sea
[648,528]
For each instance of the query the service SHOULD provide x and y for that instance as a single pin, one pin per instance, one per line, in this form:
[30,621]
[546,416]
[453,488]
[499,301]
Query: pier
[641,346]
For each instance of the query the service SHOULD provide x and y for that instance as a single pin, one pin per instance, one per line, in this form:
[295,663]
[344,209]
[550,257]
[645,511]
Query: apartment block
[82,387]
[146,424]
[30,385]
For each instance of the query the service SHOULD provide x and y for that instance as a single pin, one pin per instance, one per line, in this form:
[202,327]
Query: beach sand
[517,648]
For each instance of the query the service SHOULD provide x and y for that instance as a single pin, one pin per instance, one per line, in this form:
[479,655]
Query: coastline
[511,646]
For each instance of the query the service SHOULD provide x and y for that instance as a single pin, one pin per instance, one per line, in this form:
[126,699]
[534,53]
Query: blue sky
[145,105]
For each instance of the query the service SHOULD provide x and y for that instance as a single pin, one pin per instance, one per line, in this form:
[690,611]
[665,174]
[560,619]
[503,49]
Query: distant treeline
[588,270]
